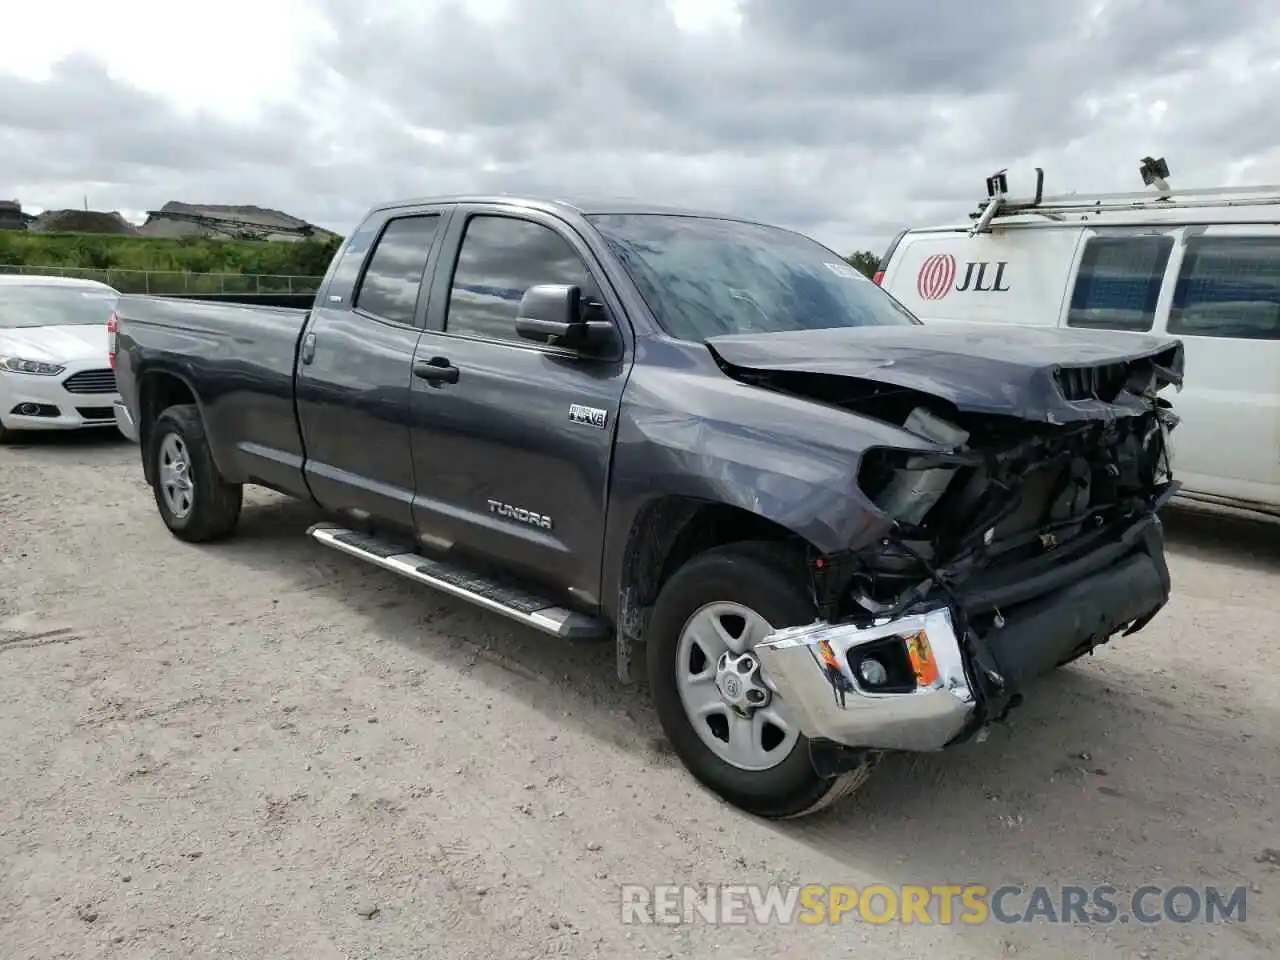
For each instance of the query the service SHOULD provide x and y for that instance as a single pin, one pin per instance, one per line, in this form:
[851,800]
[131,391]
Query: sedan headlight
[36,367]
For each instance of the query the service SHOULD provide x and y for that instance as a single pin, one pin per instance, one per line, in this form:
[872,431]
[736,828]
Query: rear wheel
[195,502]
[725,721]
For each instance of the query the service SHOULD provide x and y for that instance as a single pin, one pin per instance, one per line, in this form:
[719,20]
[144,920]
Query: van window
[1228,287]
[1118,283]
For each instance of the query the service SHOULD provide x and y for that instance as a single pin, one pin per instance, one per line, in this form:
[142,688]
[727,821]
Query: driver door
[503,470]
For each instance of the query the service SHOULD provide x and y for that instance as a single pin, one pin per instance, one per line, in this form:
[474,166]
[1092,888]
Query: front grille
[96,413]
[1092,383]
[91,381]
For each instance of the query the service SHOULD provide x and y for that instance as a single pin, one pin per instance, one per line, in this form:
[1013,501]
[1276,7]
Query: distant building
[177,219]
[12,217]
[81,221]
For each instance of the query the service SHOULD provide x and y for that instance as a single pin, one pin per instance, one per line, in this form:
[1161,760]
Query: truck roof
[584,206]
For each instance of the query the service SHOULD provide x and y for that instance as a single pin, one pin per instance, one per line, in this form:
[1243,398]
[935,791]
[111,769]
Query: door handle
[435,370]
[308,348]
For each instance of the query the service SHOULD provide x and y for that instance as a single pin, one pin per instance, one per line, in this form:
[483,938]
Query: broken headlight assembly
[907,490]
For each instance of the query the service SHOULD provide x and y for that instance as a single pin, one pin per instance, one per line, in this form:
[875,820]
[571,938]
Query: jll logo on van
[937,277]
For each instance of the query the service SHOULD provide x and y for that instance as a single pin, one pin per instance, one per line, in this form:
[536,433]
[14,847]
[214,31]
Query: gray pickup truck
[829,530]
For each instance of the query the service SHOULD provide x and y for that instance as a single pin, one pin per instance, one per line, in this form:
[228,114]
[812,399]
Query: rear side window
[391,281]
[1228,287]
[347,272]
[501,258]
[1119,283]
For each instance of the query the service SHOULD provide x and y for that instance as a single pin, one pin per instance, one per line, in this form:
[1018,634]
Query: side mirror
[554,313]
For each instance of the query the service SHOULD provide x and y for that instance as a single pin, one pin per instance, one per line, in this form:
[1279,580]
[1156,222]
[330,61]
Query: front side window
[703,277]
[394,276]
[54,305]
[1228,287]
[501,258]
[1118,283]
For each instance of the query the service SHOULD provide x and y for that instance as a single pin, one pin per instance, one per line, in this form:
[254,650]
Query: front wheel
[718,708]
[195,502]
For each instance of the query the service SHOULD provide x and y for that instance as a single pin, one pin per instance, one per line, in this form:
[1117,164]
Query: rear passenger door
[355,363]
[504,471]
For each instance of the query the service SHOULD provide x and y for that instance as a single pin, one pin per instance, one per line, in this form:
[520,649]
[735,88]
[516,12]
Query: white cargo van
[1201,265]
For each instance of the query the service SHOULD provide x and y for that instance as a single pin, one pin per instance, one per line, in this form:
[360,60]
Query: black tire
[768,579]
[215,506]
[7,435]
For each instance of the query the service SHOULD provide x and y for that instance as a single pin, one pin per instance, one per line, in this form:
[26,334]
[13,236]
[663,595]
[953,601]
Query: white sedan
[54,369]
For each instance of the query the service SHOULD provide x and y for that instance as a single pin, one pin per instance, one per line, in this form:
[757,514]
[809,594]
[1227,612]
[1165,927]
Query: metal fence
[178,283]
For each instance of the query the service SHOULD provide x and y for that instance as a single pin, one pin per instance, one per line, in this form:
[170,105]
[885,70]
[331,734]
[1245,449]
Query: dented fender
[712,439]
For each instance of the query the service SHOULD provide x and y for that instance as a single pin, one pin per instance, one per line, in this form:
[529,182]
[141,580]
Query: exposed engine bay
[1006,498]
[1014,492]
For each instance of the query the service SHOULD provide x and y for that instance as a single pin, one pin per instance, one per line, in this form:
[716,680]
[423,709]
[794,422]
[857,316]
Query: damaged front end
[1014,545]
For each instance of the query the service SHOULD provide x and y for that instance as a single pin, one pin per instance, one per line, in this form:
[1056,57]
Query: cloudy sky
[845,118]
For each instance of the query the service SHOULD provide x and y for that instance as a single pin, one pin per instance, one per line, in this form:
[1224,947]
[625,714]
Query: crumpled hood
[86,341]
[1028,372]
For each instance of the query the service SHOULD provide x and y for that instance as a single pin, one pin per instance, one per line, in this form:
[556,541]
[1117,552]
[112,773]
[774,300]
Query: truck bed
[240,361]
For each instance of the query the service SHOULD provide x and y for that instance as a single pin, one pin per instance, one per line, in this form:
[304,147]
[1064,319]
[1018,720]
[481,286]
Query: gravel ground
[265,749]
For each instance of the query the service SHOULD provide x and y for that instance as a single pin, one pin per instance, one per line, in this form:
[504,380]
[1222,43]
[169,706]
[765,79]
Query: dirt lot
[264,749]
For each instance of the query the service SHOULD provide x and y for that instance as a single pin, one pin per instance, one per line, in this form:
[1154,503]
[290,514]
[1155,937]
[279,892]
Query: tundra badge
[588,416]
[520,514]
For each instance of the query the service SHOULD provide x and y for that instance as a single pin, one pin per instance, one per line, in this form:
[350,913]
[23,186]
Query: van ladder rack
[999,204]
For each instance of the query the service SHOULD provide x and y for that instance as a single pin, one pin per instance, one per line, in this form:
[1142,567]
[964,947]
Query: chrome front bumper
[813,669]
[124,421]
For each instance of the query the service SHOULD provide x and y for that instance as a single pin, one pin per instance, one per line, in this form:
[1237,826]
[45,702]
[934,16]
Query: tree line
[864,261]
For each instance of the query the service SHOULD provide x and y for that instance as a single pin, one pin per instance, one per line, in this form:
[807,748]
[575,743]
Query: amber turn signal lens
[921,656]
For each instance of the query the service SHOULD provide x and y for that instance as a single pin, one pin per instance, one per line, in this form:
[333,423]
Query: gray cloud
[845,119]
[86,117]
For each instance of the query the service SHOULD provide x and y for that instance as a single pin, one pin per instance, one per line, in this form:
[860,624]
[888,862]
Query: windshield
[47,305]
[704,277]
